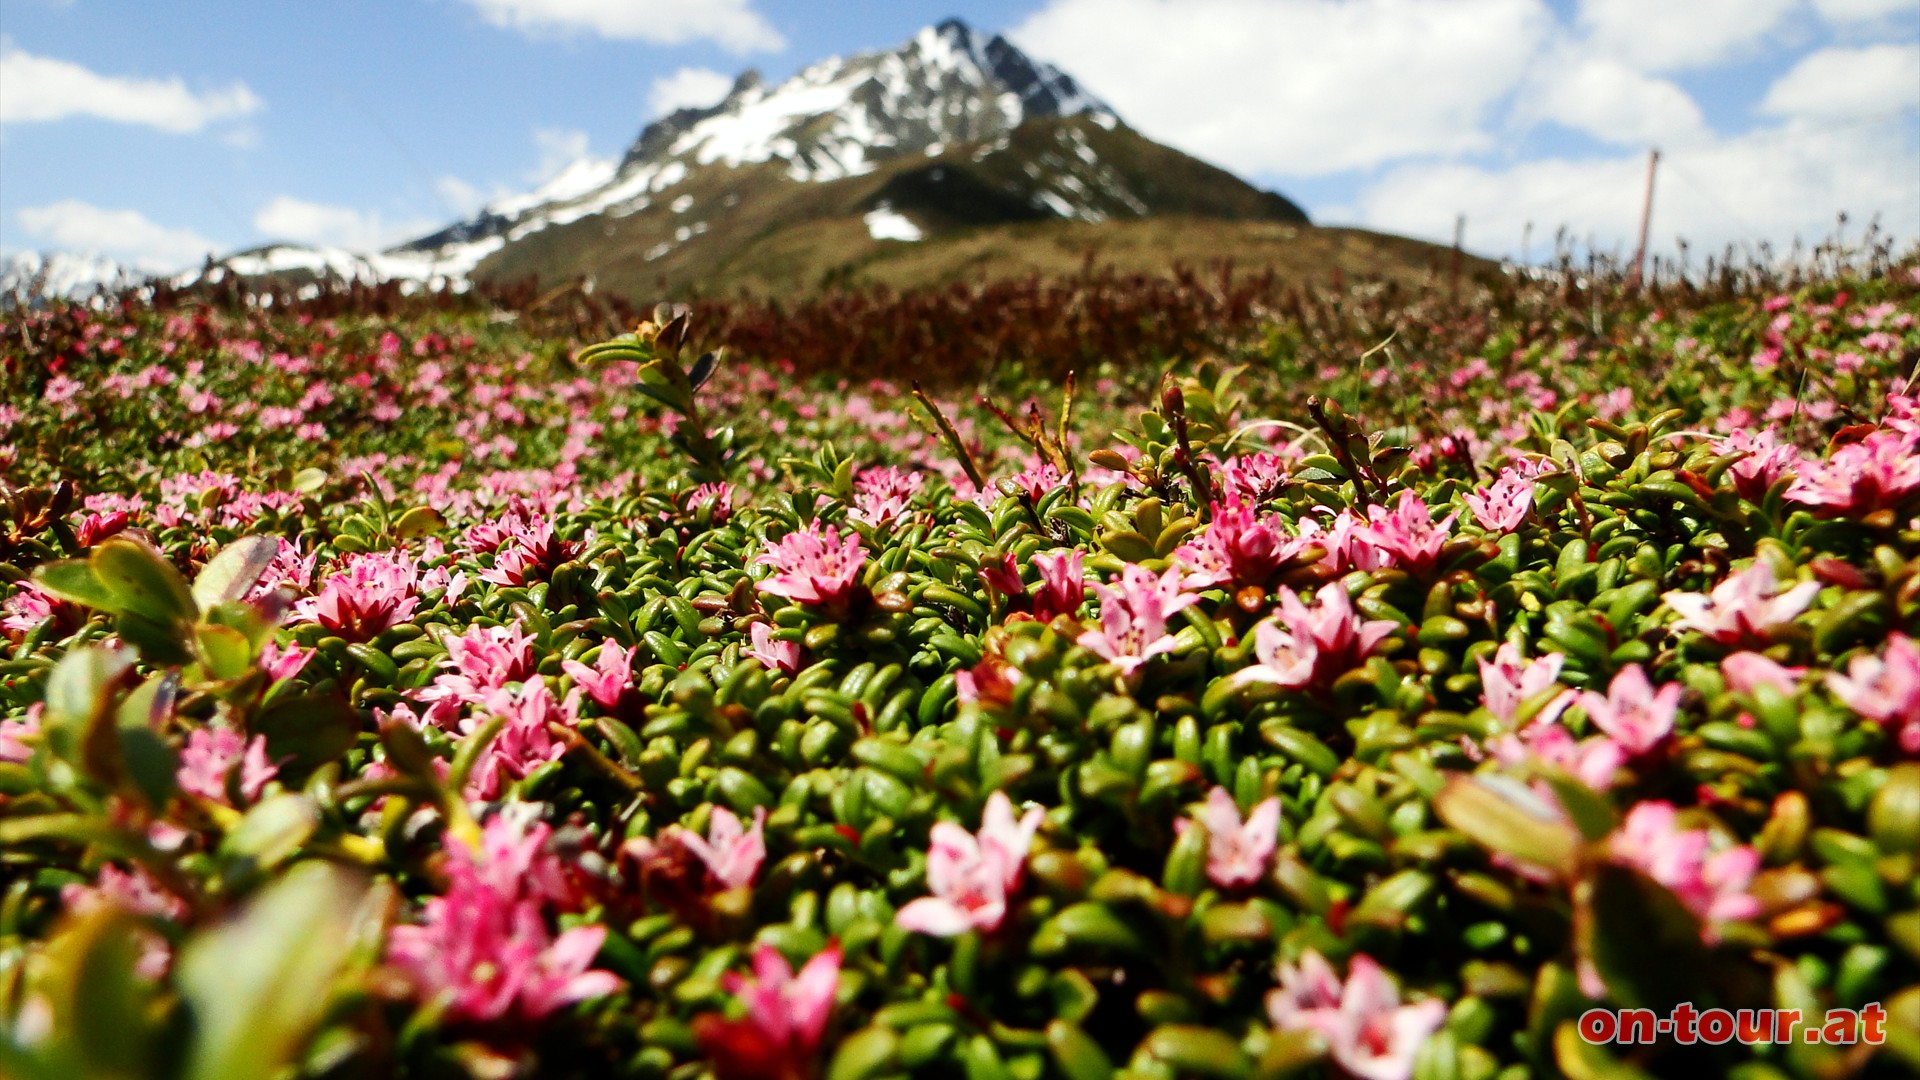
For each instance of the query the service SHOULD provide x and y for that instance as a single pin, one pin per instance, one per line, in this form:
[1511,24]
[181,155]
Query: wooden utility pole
[1646,222]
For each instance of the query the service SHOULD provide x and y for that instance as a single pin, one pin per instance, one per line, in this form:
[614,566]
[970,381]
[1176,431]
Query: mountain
[32,274]
[952,156]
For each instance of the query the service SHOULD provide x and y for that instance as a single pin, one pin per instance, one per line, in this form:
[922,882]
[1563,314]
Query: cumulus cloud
[731,24]
[558,149]
[1610,101]
[1843,84]
[1678,35]
[286,218]
[41,88]
[124,235]
[1300,87]
[1775,185]
[688,88]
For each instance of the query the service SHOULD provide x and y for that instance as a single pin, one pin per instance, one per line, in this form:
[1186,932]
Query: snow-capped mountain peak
[838,117]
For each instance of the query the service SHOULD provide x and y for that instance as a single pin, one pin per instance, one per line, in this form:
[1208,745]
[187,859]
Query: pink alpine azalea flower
[516,859]
[814,565]
[1504,504]
[785,1022]
[1368,1032]
[27,608]
[525,743]
[1347,543]
[1062,584]
[1308,985]
[1237,851]
[136,892]
[1305,646]
[1253,478]
[1745,608]
[1593,761]
[731,852]
[1880,472]
[717,499]
[1002,575]
[289,570]
[1033,483]
[1747,670]
[883,494]
[209,758]
[1767,461]
[1409,532]
[972,876]
[371,593]
[489,957]
[283,661]
[1133,617]
[1712,885]
[478,662]
[609,679]
[14,733]
[1631,712]
[1238,549]
[532,552]
[97,527]
[1885,688]
[774,654]
[1508,682]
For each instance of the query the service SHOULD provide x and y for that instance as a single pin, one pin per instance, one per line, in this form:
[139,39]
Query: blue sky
[157,131]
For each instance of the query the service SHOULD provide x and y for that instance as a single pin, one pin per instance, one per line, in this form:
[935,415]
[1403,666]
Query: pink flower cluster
[1713,885]
[814,565]
[483,949]
[1746,608]
[972,876]
[1239,548]
[209,758]
[1237,850]
[1133,617]
[1304,646]
[1368,1032]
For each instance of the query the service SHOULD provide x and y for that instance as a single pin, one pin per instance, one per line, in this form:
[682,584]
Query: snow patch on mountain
[58,273]
[886,223]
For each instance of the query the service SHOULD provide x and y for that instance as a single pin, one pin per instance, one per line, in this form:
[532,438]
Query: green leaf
[308,481]
[419,521]
[74,580]
[100,1008]
[1642,940]
[272,831]
[1505,816]
[237,568]
[223,650]
[258,983]
[144,583]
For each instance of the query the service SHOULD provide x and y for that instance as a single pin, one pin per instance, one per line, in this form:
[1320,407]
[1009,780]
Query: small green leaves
[259,982]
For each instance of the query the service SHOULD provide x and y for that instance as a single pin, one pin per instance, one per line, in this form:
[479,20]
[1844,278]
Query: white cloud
[125,235]
[1676,35]
[1297,87]
[1774,185]
[41,88]
[731,24]
[286,218]
[460,197]
[1843,84]
[1851,11]
[688,88]
[1610,101]
[558,149]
